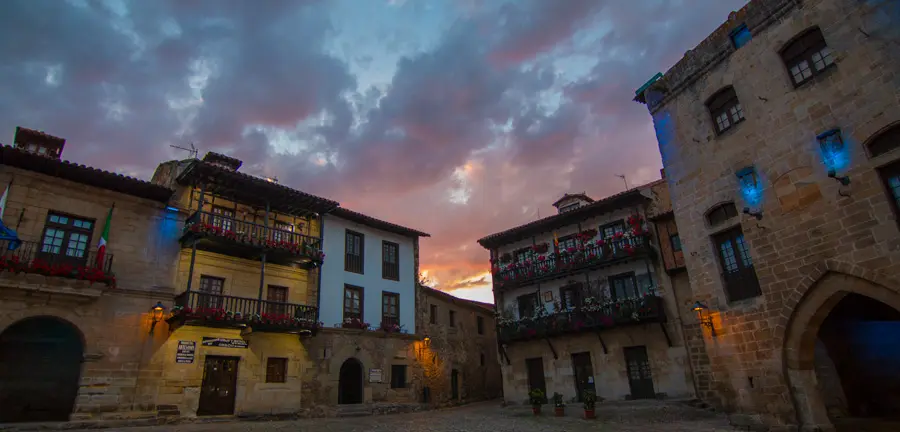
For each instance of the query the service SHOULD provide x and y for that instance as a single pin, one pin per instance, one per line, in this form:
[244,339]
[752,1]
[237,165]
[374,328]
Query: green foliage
[590,399]
[537,397]
[558,400]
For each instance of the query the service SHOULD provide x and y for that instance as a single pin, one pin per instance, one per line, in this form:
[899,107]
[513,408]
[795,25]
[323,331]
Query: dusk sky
[456,117]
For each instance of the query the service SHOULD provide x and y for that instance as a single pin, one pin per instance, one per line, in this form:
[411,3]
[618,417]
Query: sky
[459,118]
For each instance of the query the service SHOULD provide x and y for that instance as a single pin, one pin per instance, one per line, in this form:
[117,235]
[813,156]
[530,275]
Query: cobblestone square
[638,416]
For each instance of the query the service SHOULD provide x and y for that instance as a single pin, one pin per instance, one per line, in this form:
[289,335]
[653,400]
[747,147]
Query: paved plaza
[490,416]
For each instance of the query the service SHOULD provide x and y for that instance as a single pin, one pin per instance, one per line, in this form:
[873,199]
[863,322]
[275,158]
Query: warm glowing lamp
[156,314]
[706,320]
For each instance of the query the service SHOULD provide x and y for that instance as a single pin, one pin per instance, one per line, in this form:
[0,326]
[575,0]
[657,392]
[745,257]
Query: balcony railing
[229,229]
[570,260]
[213,310]
[589,317]
[33,257]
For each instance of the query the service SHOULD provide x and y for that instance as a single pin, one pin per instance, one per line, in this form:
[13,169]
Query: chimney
[40,143]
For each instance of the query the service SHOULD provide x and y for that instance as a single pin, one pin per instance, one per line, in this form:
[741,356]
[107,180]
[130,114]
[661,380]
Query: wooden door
[535,368]
[219,386]
[640,378]
[454,383]
[583,373]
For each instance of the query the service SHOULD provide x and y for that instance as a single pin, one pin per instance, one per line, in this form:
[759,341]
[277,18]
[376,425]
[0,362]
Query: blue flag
[10,236]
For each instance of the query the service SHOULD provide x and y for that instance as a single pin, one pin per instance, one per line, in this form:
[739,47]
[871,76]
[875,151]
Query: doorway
[454,384]
[583,374]
[219,385]
[640,378]
[40,368]
[535,369]
[350,382]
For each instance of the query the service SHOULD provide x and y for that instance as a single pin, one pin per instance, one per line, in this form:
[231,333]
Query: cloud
[513,103]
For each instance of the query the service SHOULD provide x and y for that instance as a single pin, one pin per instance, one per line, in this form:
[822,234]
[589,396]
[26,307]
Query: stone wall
[811,226]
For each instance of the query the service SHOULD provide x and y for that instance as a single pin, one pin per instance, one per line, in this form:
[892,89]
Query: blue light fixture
[835,155]
[750,186]
[172,209]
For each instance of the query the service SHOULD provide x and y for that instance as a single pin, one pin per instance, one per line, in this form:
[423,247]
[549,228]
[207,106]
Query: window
[721,213]
[676,242]
[737,266]
[398,376]
[66,239]
[806,56]
[740,36]
[390,308]
[570,296]
[276,297]
[527,305]
[890,175]
[525,254]
[282,231]
[353,255]
[567,242]
[452,318]
[390,260]
[481,359]
[223,218]
[624,286]
[433,314]
[569,207]
[276,370]
[725,109]
[885,142]
[609,230]
[479,324]
[353,302]
[211,289]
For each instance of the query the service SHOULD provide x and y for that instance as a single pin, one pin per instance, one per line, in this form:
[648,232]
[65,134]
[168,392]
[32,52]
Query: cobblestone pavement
[635,416]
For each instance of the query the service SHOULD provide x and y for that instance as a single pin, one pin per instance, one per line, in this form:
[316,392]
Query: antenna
[622,176]
[191,151]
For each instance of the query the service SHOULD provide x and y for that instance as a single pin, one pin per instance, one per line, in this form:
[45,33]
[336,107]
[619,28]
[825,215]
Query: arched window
[885,141]
[725,109]
[721,213]
[807,55]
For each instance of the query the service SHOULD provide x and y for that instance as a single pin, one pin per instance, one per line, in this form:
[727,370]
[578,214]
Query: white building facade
[370,272]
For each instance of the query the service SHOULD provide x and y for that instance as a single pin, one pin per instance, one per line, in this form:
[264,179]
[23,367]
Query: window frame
[743,283]
[223,217]
[738,31]
[885,173]
[283,233]
[451,316]
[675,242]
[535,302]
[573,288]
[210,299]
[616,226]
[721,206]
[362,303]
[432,319]
[355,263]
[68,229]
[889,136]
[398,376]
[274,306]
[386,297]
[389,270]
[479,324]
[801,48]
[612,279]
[725,101]
[278,376]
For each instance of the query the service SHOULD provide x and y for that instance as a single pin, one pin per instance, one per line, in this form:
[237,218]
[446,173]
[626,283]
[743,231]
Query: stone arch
[885,140]
[823,290]
[62,316]
[351,382]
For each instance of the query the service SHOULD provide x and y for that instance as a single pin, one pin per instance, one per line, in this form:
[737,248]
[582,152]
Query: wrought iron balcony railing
[570,260]
[590,317]
[203,224]
[34,257]
[213,310]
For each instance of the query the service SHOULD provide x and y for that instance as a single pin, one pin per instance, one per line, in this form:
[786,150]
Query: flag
[555,241]
[104,238]
[5,233]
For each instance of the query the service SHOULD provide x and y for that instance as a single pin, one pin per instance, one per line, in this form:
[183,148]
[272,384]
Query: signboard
[374,375]
[224,342]
[185,351]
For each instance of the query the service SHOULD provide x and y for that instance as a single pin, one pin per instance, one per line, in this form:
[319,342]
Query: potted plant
[559,407]
[590,399]
[537,398]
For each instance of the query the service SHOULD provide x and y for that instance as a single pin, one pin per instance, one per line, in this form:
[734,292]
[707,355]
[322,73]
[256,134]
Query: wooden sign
[224,342]
[185,351]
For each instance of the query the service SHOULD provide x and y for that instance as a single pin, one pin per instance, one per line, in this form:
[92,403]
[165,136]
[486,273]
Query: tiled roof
[582,196]
[351,215]
[457,300]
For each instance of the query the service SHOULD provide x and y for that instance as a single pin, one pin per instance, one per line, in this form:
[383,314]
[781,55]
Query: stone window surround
[814,37]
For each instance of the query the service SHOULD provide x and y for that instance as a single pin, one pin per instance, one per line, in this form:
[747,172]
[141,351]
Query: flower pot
[589,414]
[560,411]
[536,409]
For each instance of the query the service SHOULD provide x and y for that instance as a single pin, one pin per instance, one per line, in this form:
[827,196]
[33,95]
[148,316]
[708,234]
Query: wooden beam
[555,356]
[602,343]
[665,331]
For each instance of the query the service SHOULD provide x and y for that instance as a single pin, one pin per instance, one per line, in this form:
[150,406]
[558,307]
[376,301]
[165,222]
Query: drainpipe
[262,266]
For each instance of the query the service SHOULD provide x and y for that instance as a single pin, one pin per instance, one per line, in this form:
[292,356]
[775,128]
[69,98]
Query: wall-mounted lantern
[751,190]
[834,154]
[703,317]
[156,315]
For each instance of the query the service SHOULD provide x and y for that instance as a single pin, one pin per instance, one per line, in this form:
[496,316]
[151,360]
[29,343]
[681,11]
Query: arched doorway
[843,354]
[40,367]
[350,383]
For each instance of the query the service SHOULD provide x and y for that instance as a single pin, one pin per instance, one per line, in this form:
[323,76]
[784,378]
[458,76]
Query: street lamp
[156,315]
[703,316]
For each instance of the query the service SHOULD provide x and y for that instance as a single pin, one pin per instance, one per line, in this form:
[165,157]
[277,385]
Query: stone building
[584,300]
[461,363]
[75,323]
[779,135]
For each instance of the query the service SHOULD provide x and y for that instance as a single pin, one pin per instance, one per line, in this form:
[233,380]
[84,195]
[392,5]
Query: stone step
[359,410]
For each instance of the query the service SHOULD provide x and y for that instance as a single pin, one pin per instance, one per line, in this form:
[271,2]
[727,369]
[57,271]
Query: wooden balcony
[231,236]
[32,266]
[210,310]
[571,261]
[587,318]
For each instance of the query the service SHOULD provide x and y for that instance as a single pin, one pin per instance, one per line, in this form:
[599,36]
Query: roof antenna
[191,151]
[622,176]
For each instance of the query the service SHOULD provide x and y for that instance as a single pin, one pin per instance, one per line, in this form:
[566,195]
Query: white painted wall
[334,277]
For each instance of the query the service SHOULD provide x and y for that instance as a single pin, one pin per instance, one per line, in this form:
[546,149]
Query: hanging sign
[185,351]
[224,342]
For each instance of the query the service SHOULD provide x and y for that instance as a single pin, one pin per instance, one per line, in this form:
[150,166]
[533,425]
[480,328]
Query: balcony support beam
[602,343]
[552,349]
[505,355]
[194,241]
[665,331]
[262,263]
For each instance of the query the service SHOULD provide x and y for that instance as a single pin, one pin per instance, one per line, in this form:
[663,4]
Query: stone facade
[814,239]
[460,347]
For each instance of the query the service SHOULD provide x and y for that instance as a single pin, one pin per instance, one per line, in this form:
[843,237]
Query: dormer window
[569,207]
[39,143]
[570,202]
